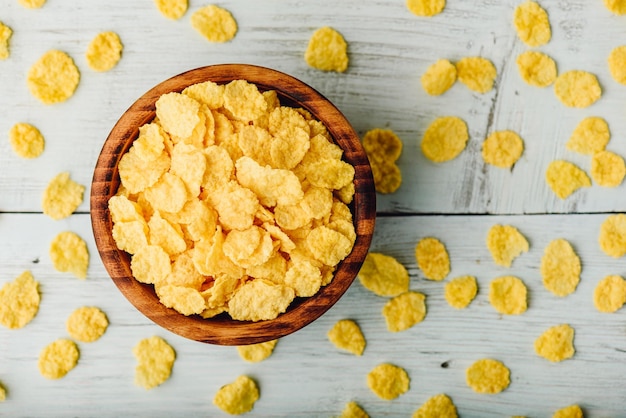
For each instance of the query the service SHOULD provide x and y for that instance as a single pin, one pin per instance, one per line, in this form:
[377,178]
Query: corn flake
[388,381]
[272,186]
[444,139]
[426,8]
[138,173]
[208,93]
[184,300]
[155,359]
[536,68]
[255,353]
[130,236]
[327,50]
[5,36]
[591,135]
[172,9]
[505,243]
[32,4]
[404,311]
[69,253]
[532,24]
[617,7]
[438,406]
[577,88]
[477,73]
[58,358]
[607,169]
[87,324]
[62,197]
[572,411]
[26,140]
[259,300]
[19,301]
[488,376]
[104,51]
[347,335]
[616,62]
[178,114]
[303,277]
[53,78]
[383,148]
[560,268]
[383,275]
[507,294]
[439,77]
[432,258]
[214,23]
[150,264]
[328,246]
[244,101]
[502,149]
[169,194]
[460,291]
[3,393]
[556,343]
[612,236]
[564,178]
[353,410]
[610,294]
[237,397]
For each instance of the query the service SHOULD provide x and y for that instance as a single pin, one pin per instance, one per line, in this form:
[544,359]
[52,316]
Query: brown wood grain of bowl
[222,329]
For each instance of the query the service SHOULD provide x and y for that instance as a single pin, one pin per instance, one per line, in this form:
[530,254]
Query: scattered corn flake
[26,140]
[532,24]
[214,23]
[444,139]
[3,393]
[488,376]
[19,301]
[591,135]
[155,359]
[383,275]
[612,236]
[388,381]
[432,258]
[564,178]
[617,62]
[172,9]
[507,294]
[426,8]
[536,68]
[610,294]
[577,88]
[502,149]
[438,406]
[5,36]
[607,169]
[505,243]
[460,291]
[53,78]
[237,397]
[383,148]
[62,196]
[151,264]
[327,50]
[32,4]
[87,324]
[104,51]
[439,77]
[69,253]
[556,343]
[560,268]
[347,335]
[353,410]
[617,7]
[58,358]
[404,311]
[572,411]
[259,300]
[255,353]
[477,73]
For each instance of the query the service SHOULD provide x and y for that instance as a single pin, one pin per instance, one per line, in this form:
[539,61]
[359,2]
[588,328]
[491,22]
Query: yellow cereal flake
[536,68]
[5,36]
[388,381]
[426,8]
[556,343]
[155,359]
[327,245]
[69,253]
[238,397]
[438,406]
[214,23]
[353,410]
[19,301]
[577,88]
[439,77]
[259,300]
[502,149]
[255,353]
[444,139]
[532,24]
[62,197]
[3,393]
[383,275]
[432,258]
[87,324]
[26,140]
[505,243]
[612,236]
[404,311]
[507,295]
[591,135]
[244,101]
[137,173]
[32,4]
[272,186]
[383,148]
[172,9]
[564,178]
[617,62]
[572,411]
[460,291]
[327,50]
[477,73]
[617,7]
[169,194]
[607,169]
[560,268]
[131,236]
[346,335]
[488,376]
[178,114]
[165,235]
[150,264]
[184,300]
[58,358]
[610,294]
[104,51]
[53,78]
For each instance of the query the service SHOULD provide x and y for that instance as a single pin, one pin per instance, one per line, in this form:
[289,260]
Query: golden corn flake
[532,24]
[607,169]
[438,406]
[502,149]
[388,381]
[432,258]
[19,301]
[3,393]
[426,8]
[383,275]
[327,50]
[488,376]
[255,353]
[87,324]
[244,101]
[477,73]
[137,173]
[259,300]
[612,237]
[346,335]
[214,23]
[572,411]
[560,268]
[26,140]
[130,236]
[577,88]
[444,139]
[590,136]
[237,397]
[383,148]
[439,77]
[172,9]
[507,294]
[404,311]
[32,4]
[5,36]
[536,68]
[150,264]
[617,61]
[505,243]
[58,358]
[69,253]
[460,291]
[62,197]
[556,343]
[104,51]
[353,410]
[610,294]
[617,7]
[564,178]
[155,359]
[184,300]
[53,78]
[178,114]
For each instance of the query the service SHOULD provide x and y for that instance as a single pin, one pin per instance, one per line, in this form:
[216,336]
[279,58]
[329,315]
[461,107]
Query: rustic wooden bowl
[222,329]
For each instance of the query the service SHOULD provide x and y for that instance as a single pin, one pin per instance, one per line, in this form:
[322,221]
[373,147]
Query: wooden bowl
[222,329]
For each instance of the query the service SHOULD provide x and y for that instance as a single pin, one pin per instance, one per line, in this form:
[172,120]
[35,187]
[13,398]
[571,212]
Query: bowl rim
[226,331]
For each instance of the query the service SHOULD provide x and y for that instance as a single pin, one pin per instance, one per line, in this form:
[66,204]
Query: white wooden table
[456,201]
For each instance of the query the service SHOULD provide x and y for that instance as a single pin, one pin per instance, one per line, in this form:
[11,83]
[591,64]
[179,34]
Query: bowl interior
[221,329]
